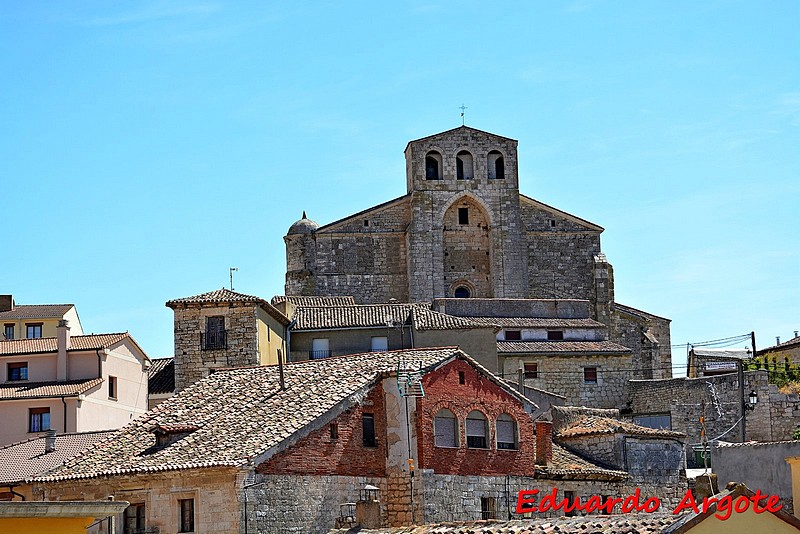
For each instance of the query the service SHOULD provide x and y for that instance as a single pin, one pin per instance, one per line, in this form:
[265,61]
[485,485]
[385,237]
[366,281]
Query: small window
[569,496]
[33,330]
[18,371]
[39,419]
[506,432]
[112,387]
[590,375]
[531,370]
[488,508]
[366,223]
[461,378]
[552,223]
[433,166]
[555,335]
[463,215]
[187,515]
[8,331]
[512,335]
[461,292]
[368,430]
[445,429]
[379,344]
[215,336]
[334,431]
[477,430]
[134,519]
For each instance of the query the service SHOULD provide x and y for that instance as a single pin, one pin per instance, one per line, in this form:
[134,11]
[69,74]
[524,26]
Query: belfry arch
[467,255]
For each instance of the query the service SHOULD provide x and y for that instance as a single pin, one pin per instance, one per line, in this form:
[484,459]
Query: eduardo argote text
[528,502]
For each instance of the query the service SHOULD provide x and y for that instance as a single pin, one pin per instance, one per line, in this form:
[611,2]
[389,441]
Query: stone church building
[464,230]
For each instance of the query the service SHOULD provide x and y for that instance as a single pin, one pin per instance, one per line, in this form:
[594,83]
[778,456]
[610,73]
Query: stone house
[222,329]
[70,383]
[235,452]
[28,321]
[463,229]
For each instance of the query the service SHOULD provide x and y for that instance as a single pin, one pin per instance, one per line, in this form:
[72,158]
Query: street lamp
[753,398]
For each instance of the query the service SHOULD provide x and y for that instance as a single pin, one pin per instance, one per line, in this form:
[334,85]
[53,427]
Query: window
[134,519]
[461,292]
[186,507]
[555,335]
[488,508]
[33,330]
[9,331]
[495,165]
[463,215]
[39,419]
[476,430]
[531,370]
[368,430]
[319,348]
[215,335]
[445,429]
[18,371]
[433,166]
[464,166]
[506,428]
[112,387]
[461,378]
[379,344]
[654,421]
[334,431]
[366,223]
[552,223]
[569,496]
[590,375]
[512,335]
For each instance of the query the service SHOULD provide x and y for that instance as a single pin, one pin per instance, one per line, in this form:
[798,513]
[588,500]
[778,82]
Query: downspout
[99,364]
[65,413]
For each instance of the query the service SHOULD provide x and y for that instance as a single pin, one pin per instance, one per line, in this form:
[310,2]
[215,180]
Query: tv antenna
[230,272]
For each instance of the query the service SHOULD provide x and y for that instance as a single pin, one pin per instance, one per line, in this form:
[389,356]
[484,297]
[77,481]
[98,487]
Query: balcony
[318,354]
[214,340]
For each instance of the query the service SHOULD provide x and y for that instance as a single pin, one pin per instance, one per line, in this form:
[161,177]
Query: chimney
[50,441]
[6,303]
[777,340]
[544,442]
[63,346]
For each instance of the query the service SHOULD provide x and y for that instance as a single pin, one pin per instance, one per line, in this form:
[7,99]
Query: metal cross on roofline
[462,108]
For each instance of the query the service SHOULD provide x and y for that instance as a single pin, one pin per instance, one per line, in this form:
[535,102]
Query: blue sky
[149,146]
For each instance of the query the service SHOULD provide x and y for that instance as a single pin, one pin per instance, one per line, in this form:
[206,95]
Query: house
[224,328]
[464,230]
[37,455]
[269,448]
[56,517]
[70,383]
[28,321]
[160,381]
[782,352]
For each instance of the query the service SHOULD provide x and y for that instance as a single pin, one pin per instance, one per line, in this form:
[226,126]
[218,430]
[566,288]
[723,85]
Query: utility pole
[742,404]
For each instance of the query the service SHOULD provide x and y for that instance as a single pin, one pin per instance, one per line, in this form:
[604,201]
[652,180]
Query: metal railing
[318,354]
[213,340]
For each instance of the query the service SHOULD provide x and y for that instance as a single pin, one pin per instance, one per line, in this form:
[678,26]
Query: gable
[391,216]
[537,216]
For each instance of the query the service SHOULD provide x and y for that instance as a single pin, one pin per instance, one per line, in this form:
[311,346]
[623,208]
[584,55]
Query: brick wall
[320,454]
[443,390]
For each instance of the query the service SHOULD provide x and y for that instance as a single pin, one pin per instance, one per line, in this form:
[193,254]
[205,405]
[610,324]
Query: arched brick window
[506,432]
[477,431]
[445,429]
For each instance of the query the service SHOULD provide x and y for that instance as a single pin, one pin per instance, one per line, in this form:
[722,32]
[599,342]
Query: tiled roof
[224,296]
[630,310]
[36,311]
[28,459]
[567,465]
[591,425]
[50,344]
[313,300]
[561,347]
[376,316]
[786,344]
[161,376]
[723,354]
[592,524]
[242,415]
[535,322]
[39,390]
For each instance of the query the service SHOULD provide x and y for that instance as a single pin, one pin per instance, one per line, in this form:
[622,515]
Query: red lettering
[651,505]
[773,503]
[758,496]
[707,502]
[549,502]
[686,502]
[593,504]
[724,507]
[610,504]
[631,503]
[522,500]
[741,500]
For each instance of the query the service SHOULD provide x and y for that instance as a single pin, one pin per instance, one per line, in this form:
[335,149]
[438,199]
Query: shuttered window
[445,426]
[506,432]
[476,430]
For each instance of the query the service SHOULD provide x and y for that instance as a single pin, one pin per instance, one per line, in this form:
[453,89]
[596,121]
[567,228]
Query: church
[463,230]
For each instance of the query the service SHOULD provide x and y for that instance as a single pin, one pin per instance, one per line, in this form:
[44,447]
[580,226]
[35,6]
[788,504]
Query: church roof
[313,300]
[362,213]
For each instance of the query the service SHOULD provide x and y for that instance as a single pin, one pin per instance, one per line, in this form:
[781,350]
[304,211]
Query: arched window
[461,292]
[506,432]
[477,431]
[464,166]
[433,166]
[445,429]
[496,167]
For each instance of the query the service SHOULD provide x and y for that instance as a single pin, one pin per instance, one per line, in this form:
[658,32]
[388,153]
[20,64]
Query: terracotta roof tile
[313,300]
[27,459]
[50,344]
[561,347]
[590,425]
[377,316]
[36,311]
[224,296]
[567,465]
[161,376]
[39,390]
[536,322]
[241,414]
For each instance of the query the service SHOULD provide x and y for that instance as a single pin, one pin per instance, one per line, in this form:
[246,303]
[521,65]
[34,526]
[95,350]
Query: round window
[461,292]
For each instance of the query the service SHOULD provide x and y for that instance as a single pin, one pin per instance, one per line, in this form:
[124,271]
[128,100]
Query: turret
[301,257]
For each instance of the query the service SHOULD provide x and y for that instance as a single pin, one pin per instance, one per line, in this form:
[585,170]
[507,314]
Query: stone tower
[301,257]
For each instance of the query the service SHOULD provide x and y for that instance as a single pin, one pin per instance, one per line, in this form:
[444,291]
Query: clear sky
[148,146]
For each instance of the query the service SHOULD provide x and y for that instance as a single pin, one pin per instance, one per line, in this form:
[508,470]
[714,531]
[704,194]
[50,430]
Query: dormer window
[169,434]
[433,166]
